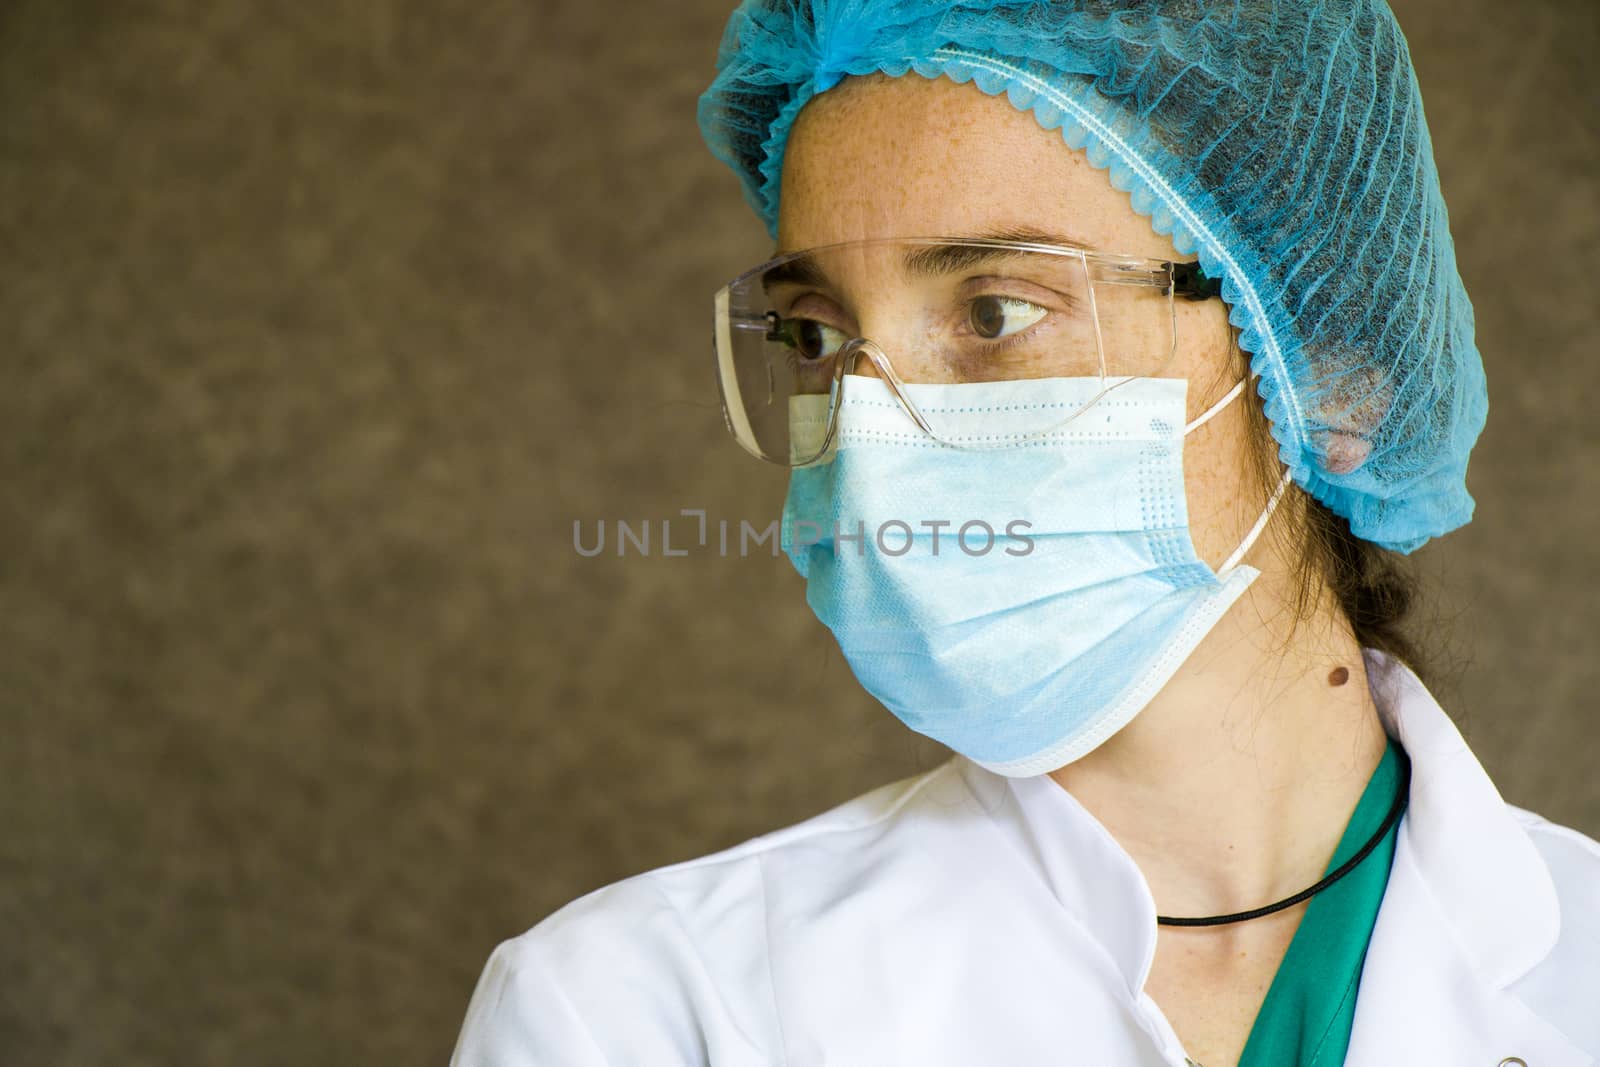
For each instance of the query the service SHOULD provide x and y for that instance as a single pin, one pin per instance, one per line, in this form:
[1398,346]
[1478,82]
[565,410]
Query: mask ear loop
[1277,494]
[1228,398]
[1255,531]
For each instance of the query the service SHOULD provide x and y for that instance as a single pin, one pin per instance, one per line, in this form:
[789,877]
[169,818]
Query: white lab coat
[959,917]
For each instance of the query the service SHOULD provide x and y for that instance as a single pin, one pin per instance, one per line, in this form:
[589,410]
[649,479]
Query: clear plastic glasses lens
[935,313]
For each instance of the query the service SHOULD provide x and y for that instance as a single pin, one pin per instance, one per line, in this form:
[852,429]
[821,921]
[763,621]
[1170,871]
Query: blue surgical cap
[1282,142]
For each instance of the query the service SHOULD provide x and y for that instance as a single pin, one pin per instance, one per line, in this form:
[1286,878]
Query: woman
[1201,809]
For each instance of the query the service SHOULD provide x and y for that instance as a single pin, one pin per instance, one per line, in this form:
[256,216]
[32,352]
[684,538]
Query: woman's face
[916,157]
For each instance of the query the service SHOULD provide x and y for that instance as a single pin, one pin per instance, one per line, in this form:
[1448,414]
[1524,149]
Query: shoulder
[1573,858]
[681,951]
[1562,987]
[702,896]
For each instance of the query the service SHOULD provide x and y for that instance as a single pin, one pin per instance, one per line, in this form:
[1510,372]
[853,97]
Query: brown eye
[809,339]
[992,317]
[812,339]
[988,316]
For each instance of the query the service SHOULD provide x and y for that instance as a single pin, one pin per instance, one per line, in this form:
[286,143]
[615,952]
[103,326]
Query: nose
[863,367]
[865,358]
[907,358]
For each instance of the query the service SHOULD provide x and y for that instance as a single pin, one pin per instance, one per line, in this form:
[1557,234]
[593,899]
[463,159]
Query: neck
[1232,789]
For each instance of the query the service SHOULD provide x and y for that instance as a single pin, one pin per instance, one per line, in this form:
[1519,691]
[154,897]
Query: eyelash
[990,346]
[986,346]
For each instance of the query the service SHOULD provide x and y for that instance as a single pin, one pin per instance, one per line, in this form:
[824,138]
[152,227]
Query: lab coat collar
[1487,877]
[1087,871]
[1470,905]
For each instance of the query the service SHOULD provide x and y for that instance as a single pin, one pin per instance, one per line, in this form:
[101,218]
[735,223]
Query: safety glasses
[925,314]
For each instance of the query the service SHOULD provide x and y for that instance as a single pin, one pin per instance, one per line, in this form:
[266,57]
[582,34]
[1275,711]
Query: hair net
[1280,141]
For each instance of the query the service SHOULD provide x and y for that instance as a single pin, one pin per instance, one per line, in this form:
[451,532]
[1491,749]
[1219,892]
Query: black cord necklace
[1345,868]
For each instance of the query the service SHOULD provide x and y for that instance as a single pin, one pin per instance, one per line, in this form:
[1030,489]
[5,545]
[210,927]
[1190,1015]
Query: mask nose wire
[1277,494]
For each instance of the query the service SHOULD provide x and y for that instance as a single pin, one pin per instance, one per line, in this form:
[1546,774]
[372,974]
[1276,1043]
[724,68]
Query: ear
[1350,395]
[1341,452]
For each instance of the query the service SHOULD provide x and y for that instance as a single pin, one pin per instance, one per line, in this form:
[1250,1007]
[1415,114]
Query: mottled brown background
[321,323]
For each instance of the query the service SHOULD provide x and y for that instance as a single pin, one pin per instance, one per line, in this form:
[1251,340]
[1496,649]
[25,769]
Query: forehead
[919,157]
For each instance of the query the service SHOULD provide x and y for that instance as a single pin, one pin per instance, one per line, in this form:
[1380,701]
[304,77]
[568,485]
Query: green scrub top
[1310,1009]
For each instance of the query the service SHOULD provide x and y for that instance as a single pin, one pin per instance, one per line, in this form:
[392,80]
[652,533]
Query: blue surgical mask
[1019,602]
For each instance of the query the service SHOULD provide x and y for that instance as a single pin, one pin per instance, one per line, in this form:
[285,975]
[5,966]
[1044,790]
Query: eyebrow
[930,260]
